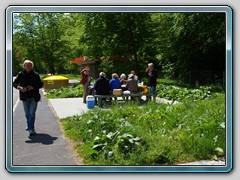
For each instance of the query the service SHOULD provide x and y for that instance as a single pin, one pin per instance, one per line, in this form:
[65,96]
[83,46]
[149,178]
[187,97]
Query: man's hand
[22,89]
[29,88]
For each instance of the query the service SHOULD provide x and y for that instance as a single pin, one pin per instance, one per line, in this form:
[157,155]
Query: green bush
[172,92]
[65,92]
[152,134]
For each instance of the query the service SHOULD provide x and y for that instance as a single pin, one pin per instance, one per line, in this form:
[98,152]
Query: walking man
[28,83]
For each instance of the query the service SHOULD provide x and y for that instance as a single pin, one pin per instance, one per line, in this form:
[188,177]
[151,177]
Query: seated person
[135,75]
[132,84]
[101,85]
[123,79]
[114,82]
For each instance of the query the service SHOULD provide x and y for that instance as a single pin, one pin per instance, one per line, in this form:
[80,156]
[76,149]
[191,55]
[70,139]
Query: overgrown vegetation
[151,134]
[179,94]
[168,89]
[65,92]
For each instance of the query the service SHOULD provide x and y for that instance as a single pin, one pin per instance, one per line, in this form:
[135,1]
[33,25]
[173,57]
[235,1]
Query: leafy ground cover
[65,92]
[152,134]
[173,92]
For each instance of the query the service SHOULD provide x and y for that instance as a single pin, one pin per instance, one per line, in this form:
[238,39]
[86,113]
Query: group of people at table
[130,85]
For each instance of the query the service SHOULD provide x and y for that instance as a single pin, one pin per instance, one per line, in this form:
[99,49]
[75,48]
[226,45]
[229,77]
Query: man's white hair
[151,64]
[102,74]
[27,61]
[123,75]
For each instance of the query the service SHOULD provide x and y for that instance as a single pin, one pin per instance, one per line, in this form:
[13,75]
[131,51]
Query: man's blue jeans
[30,107]
[152,90]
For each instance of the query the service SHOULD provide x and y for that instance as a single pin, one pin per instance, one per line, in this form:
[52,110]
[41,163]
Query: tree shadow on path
[41,138]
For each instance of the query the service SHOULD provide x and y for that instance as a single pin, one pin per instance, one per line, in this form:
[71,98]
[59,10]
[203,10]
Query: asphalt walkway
[49,146]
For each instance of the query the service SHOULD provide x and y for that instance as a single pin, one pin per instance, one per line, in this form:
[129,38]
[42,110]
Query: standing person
[28,83]
[85,81]
[152,75]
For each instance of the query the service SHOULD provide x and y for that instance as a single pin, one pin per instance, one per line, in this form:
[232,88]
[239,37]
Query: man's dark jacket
[25,79]
[152,77]
[102,86]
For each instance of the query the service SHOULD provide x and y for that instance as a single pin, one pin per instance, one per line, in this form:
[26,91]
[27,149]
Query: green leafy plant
[172,92]
[65,92]
[151,134]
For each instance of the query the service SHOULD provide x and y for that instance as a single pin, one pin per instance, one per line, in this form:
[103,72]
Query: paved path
[65,107]
[48,147]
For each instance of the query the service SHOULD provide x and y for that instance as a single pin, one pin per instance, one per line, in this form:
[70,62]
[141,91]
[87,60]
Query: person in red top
[85,81]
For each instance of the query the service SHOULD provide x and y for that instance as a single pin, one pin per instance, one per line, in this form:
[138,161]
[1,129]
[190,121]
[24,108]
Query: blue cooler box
[90,102]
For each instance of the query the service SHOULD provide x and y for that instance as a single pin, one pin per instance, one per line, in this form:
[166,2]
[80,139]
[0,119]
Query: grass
[65,92]
[152,134]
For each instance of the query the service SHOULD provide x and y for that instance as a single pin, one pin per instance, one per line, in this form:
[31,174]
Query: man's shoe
[32,133]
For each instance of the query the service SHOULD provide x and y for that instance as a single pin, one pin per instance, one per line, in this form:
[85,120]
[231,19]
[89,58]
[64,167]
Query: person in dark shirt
[101,86]
[152,74]
[28,83]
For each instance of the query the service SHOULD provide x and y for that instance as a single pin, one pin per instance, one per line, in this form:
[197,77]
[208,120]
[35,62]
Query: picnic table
[100,99]
[142,91]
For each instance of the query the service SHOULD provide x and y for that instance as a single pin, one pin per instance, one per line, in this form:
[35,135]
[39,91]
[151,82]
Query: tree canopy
[180,44]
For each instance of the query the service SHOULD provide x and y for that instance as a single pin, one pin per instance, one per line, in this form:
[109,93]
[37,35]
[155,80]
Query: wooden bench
[102,98]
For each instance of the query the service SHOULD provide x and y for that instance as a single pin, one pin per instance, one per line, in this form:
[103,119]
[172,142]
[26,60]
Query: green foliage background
[180,44]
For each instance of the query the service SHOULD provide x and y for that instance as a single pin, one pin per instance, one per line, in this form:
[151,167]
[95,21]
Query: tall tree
[122,34]
[50,47]
[186,41]
[118,34]
[178,42]
[24,29]
[41,35]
